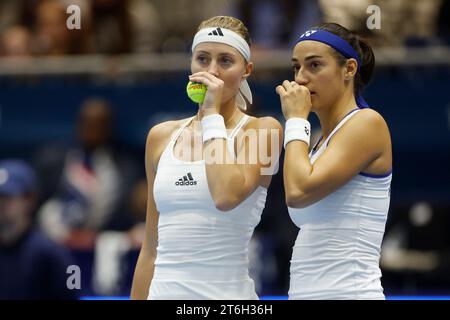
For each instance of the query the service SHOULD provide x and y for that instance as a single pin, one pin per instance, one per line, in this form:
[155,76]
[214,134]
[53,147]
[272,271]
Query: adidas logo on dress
[187,180]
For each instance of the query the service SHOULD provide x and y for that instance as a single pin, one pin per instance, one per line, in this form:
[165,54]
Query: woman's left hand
[295,100]
[213,98]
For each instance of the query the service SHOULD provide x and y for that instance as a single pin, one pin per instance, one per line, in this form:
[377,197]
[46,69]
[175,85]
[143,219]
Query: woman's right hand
[213,98]
[295,100]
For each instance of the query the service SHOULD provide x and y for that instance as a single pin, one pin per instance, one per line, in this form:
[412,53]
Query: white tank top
[202,252]
[337,251]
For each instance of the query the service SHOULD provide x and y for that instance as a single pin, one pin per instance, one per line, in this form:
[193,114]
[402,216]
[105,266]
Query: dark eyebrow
[295,60]
[312,57]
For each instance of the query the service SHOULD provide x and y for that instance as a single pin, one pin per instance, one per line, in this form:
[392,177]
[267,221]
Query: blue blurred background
[77,105]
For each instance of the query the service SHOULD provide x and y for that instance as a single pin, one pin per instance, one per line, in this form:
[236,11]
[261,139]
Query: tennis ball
[196,91]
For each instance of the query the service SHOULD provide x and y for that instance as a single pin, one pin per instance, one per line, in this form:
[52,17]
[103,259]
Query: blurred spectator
[32,266]
[94,180]
[113,248]
[416,249]
[348,13]
[132,219]
[15,42]
[123,26]
[111,26]
[51,34]
[277,24]
[145,26]
[47,22]
[179,20]
[107,26]
[10,12]
[137,210]
[410,22]
[402,21]
[127,26]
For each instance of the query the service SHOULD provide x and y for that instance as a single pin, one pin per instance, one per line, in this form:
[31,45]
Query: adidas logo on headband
[216,32]
[308,33]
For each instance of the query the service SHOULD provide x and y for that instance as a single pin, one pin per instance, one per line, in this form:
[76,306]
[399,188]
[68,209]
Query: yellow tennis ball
[196,91]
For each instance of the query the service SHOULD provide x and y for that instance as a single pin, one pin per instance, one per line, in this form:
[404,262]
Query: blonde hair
[227,22]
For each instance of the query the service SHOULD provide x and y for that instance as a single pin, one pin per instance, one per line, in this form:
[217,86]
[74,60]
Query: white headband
[231,38]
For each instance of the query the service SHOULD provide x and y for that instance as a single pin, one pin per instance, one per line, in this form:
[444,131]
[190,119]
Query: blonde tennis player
[201,213]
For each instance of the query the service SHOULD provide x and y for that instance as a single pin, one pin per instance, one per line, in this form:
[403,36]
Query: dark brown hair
[361,47]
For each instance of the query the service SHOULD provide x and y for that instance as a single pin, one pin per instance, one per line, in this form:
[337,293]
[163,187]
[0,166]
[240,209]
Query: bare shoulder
[370,118]
[161,132]
[366,127]
[157,138]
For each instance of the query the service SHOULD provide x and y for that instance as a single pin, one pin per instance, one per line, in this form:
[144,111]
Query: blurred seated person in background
[32,266]
[416,250]
[137,208]
[280,30]
[51,35]
[94,179]
[111,26]
[15,42]
[116,251]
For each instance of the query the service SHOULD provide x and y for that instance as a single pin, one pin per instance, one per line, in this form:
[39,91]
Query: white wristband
[213,127]
[297,129]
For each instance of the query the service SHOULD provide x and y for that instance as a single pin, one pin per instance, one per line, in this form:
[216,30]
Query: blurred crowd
[81,203]
[38,27]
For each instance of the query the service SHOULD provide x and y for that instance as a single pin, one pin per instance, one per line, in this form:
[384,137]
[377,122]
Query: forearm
[142,277]
[223,175]
[297,172]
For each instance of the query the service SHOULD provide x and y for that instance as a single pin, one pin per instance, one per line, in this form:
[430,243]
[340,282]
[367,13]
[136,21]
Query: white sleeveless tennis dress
[337,251]
[202,252]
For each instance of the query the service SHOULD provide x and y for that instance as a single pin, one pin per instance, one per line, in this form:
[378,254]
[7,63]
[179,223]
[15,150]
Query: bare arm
[232,183]
[145,265]
[363,143]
